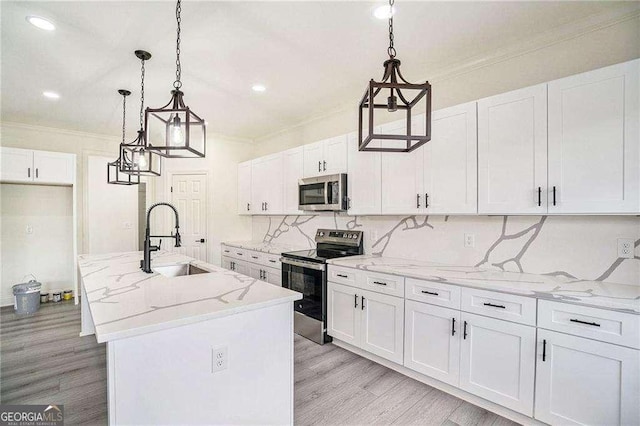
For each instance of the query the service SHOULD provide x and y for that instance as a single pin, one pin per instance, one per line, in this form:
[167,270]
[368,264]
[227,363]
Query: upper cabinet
[244,188]
[42,167]
[512,152]
[266,185]
[594,157]
[292,165]
[326,157]
[364,181]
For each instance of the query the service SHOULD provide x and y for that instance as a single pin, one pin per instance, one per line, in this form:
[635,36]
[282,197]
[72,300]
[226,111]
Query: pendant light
[175,131]
[401,95]
[114,176]
[136,159]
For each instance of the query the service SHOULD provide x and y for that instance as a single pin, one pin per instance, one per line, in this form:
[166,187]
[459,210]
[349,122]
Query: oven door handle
[302,264]
[326,193]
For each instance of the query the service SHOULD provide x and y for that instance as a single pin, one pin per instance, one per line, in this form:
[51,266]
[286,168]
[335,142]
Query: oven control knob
[321,234]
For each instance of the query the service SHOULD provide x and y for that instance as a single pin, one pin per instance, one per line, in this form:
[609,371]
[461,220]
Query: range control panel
[338,236]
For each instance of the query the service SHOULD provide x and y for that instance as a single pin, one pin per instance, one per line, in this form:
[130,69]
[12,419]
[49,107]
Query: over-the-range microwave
[323,193]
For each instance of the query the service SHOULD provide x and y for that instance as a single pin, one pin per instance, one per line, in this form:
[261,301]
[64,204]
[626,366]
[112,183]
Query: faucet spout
[145,263]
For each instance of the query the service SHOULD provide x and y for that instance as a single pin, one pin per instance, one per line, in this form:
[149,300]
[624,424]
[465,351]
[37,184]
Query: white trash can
[26,297]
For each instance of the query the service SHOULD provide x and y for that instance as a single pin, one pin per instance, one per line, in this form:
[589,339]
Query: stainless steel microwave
[323,193]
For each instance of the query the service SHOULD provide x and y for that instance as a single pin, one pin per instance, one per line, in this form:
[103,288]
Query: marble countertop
[264,247]
[618,297]
[125,301]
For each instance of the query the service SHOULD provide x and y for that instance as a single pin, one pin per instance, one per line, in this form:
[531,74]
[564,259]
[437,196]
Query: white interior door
[189,196]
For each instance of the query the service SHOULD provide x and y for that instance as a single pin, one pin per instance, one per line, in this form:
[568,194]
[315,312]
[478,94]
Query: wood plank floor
[42,361]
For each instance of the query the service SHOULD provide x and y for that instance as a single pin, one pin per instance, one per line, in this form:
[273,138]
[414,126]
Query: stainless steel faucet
[145,263]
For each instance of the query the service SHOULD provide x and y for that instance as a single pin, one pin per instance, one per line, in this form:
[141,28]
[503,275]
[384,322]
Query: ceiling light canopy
[401,96]
[42,23]
[50,95]
[174,130]
[258,88]
[114,175]
[384,12]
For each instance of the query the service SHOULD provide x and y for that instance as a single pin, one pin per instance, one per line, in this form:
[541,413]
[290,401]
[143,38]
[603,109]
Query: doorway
[189,196]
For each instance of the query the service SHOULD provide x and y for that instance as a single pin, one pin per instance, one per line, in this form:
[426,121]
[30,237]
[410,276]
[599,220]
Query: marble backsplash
[572,247]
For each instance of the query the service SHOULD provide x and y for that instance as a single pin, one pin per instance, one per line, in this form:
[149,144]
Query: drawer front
[593,323]
[238,253]
[254,256]
[226,250]
[341,275]
[271,260]
[434,293]
[381,283]
[507,307]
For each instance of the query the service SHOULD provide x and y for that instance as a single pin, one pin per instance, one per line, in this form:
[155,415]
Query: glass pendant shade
[114,175]
[136,159]
[174,131]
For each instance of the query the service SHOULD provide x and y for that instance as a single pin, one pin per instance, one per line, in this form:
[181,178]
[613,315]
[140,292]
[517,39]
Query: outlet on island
[219,359]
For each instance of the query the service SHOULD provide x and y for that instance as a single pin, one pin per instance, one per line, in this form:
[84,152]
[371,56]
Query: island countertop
[618,297]
[124,301]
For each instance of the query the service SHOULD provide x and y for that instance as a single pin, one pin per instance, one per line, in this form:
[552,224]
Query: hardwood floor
[42,361]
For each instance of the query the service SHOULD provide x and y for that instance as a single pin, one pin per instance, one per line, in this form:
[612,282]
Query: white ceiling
[312,56]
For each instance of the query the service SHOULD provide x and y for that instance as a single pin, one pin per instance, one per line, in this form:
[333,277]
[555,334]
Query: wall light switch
[469,240]
[625,248]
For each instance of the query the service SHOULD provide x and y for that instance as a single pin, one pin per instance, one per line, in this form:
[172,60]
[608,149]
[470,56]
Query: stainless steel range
[305,271]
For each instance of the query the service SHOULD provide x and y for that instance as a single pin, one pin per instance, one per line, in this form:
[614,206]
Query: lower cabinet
[371,321]
[235,265]
[497,361]
[585,382]
[432,341]
[254,265]
[270,275]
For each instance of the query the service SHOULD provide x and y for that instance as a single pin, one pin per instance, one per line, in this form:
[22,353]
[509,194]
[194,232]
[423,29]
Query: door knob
[201,240]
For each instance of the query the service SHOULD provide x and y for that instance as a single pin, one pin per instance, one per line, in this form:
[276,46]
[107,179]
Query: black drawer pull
[453,326]
[379,283]
[342,276]
[362,304]
[464,331]
[255,257]
[539,196]
[239,254]
[544,350]
[355,301]
[433,293]
[272,261]
[595,324]
[495,306]
[554,195]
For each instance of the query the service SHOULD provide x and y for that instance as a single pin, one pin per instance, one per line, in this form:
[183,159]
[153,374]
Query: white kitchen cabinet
[594,141]
[16,165]
[402,176]
[244,188]
[53,167]
[236,265]
[364,180]
[343,313]
[432,341]
[326,157]
[497,361]
[450,162]
[585,382]
[512,152]
[382,324]
[270,275]
[267,184]
[292,169]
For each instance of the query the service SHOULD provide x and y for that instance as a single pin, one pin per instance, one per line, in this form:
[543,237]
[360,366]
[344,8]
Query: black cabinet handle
[595,324]
[239,254]
[554,195]
[324,166]
[201,240]
[342,276]
[362,304]
[433,293]
[355,300]
[247,206]
[426,200]
[266,206]
[453,326]
[418,201]
[464,331]
[348,203]
[544,350]
[36,172]
[254,257]
[539,196]
[28,171]
[319,166]
[379,283]
[272,261]
[495,306]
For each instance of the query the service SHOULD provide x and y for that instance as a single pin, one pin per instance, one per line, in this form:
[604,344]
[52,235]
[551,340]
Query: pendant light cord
[142,95]
[391,50]
[178,84]
[124,114]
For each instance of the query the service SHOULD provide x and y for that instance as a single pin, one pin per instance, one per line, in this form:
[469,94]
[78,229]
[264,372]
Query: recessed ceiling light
[50,95]
[258,88]
[384,12]
[41,23]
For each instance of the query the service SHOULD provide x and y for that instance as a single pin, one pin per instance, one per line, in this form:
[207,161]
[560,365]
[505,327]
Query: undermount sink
[179,270]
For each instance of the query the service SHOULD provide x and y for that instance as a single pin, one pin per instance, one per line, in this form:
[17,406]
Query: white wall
[47,252]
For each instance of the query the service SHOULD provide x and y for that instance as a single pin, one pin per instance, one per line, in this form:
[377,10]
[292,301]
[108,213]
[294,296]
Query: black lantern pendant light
[402,96]
[136,159]
[114,176]
[175,131]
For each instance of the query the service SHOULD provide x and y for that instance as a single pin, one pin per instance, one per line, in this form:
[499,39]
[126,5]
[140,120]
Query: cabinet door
[497,361]
[267,184]
[226,263]
[255,271]
[382,325]
[258,185]
[16,165]
[343,313]
[53,167]
[450,162]
[402,177]
[313,157]
[364,181]
[594,141]
[242,267]
[586,382]
[292,165]
[272,276]
[244,188]
[335,155]
[432,341]
[512,152]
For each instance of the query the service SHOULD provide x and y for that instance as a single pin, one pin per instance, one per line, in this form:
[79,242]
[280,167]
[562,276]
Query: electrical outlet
[625,248]
[128,225]
[29,229]
[373,236]
[469,240]
[219,359]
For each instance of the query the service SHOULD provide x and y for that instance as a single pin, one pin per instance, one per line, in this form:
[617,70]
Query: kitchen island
[191,343]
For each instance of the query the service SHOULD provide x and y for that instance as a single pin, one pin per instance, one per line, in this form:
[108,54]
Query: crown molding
[57,130]
[558,35]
